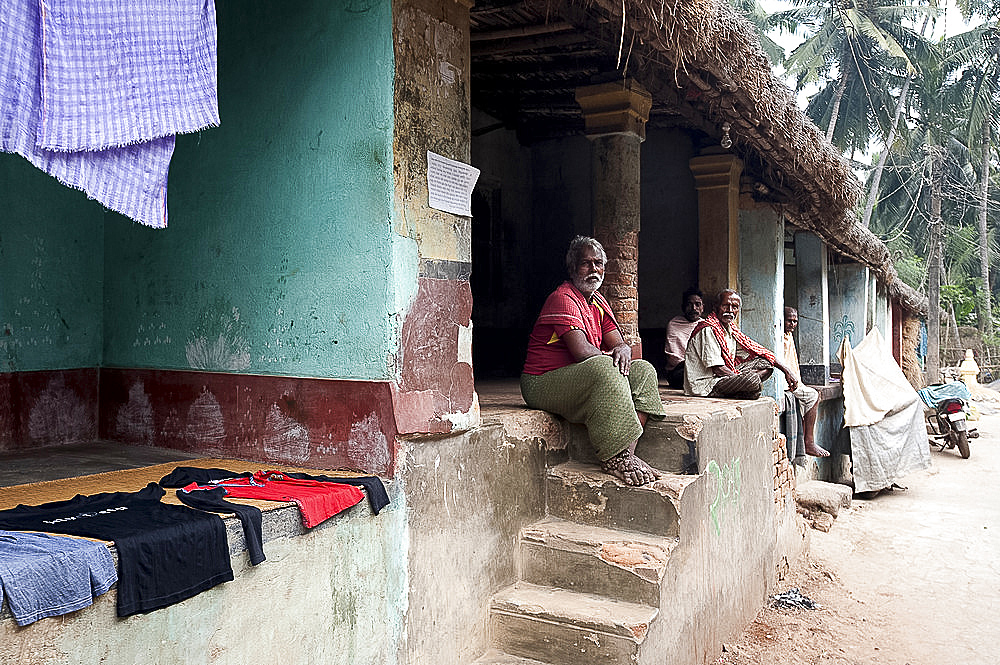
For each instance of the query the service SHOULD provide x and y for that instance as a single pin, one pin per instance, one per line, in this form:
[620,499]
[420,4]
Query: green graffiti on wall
[727,490]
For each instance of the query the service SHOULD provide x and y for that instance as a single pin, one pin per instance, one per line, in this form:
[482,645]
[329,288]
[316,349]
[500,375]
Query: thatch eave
[708,37]
[717,51]
[858,243]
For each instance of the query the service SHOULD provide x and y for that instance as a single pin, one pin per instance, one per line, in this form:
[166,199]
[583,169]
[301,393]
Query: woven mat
[133,480]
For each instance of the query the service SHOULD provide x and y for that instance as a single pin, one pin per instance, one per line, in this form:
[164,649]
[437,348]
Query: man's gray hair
[722,296]
[725,292]
[576,247]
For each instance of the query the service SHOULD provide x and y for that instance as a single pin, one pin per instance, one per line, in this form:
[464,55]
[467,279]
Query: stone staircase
[591,573]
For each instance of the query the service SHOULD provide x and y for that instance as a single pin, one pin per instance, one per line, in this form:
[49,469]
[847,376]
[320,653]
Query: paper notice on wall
[450,184]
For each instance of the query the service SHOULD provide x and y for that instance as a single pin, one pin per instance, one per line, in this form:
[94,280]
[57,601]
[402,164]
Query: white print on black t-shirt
[80,516]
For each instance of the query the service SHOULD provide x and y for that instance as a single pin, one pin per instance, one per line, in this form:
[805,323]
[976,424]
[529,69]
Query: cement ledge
[282,521]
[685,413]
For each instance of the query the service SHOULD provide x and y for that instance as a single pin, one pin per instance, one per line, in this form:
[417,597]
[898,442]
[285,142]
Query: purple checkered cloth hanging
[94,92]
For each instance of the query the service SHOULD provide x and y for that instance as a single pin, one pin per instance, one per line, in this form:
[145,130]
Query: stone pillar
[812,277]
[762,284]
[717,178]
[615,115]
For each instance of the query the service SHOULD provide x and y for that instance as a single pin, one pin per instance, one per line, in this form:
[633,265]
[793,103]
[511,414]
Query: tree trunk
[986,295]
[934,269]
[836,106]
[877,175]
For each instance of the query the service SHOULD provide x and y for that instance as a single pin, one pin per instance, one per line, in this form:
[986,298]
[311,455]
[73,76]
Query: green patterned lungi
[595,393]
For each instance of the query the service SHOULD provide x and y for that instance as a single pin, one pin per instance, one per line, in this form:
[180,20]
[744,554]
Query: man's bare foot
[815,451]
[630,469]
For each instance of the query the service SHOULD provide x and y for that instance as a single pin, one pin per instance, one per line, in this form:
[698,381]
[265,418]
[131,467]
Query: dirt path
[906,578]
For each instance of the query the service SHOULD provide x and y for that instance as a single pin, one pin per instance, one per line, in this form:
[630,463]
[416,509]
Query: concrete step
[617,564]
[582,493]
[567,628]
[495,657]
[661,445]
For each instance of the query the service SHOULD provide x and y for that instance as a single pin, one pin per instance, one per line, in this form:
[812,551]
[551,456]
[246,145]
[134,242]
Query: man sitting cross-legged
[721,361]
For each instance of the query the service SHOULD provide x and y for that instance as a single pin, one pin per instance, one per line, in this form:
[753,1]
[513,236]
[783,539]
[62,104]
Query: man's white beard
[584,286]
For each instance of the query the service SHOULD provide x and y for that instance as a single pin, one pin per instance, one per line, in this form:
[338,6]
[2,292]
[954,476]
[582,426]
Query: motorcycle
[947,415]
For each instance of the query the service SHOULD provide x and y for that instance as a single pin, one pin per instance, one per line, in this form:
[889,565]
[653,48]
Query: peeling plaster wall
[848,306]
[470,495]
[723,568]
[278,257]
[432,113]
[431,42]
[762,284]
[304,422]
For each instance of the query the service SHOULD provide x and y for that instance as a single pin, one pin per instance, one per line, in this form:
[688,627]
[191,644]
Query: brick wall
[784,473]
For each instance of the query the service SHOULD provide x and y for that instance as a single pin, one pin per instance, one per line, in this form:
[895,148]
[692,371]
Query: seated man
[679,331]
[578,366]
[807,398]
[723,362]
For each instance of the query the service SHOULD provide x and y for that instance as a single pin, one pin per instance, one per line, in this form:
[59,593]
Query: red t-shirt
[566,309]
[317,500]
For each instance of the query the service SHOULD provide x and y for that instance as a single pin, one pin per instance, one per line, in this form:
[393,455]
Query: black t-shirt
[166,553]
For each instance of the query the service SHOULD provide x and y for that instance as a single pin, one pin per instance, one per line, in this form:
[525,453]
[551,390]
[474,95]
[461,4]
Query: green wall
[50,272]
[278,254]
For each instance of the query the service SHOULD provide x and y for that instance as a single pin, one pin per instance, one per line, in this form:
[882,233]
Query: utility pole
[934,266]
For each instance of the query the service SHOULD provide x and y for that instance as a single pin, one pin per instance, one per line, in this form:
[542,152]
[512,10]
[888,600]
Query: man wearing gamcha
[578,366]
[721,361]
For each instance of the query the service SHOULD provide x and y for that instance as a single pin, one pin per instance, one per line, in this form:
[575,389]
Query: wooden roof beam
[523,31]
[534,43]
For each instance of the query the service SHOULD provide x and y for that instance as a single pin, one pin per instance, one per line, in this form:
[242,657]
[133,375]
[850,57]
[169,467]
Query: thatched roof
[704,66]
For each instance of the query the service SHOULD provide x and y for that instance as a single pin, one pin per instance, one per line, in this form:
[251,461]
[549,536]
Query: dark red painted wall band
[47,408]
[319,423]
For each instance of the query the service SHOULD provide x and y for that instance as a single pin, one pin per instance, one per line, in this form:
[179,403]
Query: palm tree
[867,43]
[876,175]
[975,55]
[928,186]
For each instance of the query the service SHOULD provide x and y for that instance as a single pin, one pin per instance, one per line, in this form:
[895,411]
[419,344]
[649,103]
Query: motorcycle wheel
[962,441]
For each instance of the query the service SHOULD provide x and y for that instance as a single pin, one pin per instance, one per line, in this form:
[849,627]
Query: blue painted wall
[278,254]
[848,306]
[51,272]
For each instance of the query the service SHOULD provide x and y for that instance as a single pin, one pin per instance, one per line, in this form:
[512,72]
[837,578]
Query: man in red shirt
[578,366]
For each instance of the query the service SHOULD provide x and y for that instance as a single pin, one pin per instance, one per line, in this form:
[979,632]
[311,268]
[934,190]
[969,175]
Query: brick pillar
[615,116]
